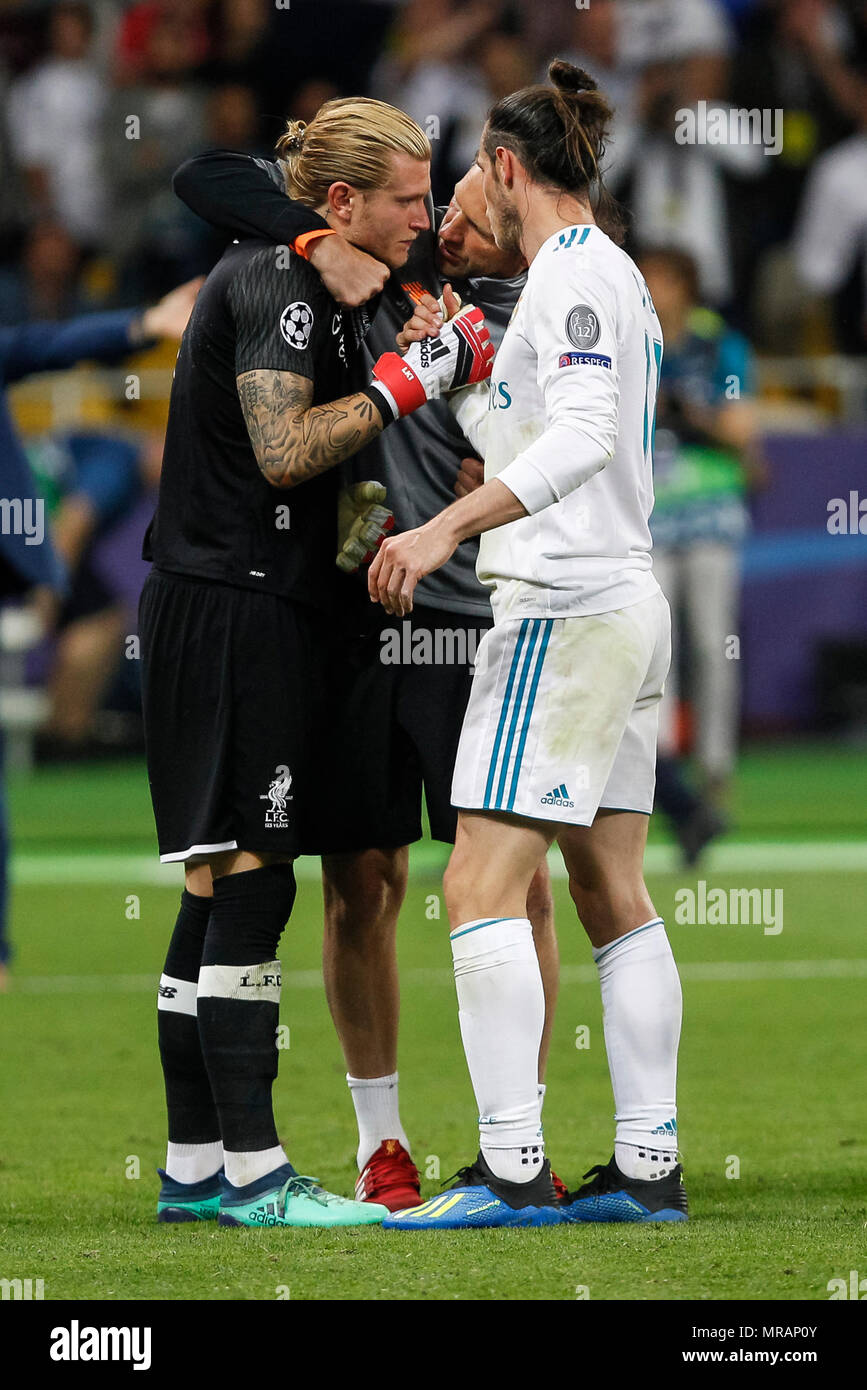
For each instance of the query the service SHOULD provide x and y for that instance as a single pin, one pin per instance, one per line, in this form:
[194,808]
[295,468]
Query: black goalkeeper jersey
[217,517]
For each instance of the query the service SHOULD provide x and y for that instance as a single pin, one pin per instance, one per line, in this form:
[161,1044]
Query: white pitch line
[694,972]
[808,856]
[731,971]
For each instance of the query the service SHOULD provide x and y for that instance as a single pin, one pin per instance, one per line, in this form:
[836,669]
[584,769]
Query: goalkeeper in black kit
[270,394]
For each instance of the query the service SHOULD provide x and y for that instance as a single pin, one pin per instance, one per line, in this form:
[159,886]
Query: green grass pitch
[773,1108]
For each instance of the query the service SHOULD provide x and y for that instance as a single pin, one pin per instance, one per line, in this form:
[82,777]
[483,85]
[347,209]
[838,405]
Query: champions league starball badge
[296,321]
[582,326]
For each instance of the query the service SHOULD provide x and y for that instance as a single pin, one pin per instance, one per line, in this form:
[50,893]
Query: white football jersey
[567,425]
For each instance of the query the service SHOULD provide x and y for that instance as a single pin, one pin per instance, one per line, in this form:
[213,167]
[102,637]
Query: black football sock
[238,1003]
[192,1114]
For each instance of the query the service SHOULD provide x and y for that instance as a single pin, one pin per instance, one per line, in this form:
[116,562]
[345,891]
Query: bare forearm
[294,443]
[405,559]
[489,506]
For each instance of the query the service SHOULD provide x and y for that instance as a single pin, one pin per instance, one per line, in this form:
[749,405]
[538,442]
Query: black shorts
[394,730]
[232,682]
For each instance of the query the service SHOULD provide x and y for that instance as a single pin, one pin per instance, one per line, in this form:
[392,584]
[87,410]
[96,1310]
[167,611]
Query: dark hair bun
[567,78]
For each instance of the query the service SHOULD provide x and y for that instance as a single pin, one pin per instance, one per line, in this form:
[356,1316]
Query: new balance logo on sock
[669,1129]
[558,797]
[167,991]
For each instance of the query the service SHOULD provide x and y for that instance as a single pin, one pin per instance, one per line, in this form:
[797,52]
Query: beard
[506,226]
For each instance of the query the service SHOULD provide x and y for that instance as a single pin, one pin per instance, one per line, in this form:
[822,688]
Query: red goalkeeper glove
[461,355]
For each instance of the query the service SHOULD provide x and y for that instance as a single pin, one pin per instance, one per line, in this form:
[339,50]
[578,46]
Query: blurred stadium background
[88,221]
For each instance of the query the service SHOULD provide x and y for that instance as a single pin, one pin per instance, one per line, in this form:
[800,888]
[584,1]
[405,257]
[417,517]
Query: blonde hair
[349,140]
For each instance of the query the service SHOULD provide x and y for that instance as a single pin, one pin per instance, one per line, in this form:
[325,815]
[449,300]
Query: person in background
[694,821]
[134,53]
[232,119]
[54,120]
[706,459]
[240,51]
[90,483]
[45,283]
[806,60]
[25,570]
[29,562]
[599,41]
[149,128]
[431,69]
[830,236]
[677,191]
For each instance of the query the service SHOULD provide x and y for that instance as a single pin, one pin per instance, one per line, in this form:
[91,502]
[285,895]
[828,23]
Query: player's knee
[197,880]
[608,904]
[363,893]
[589,909]
[457,882]
[248,915]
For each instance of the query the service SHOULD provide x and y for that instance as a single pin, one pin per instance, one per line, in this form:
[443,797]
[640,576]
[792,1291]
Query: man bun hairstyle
[559,133]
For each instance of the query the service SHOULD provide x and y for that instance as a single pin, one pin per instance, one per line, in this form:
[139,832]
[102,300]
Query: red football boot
[389,1177]
[560,1188]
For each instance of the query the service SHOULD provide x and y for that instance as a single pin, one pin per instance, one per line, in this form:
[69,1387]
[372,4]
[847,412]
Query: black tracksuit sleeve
[243,196]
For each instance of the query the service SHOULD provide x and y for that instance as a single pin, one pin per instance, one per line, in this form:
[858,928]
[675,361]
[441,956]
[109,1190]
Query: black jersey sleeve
[281,313]
[243,196]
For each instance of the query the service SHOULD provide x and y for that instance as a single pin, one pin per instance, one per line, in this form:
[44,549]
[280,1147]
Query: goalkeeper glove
[362,524]
[462,353]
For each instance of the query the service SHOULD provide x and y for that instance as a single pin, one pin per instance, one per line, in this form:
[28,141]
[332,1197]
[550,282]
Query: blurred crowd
[101,101]
[748,244]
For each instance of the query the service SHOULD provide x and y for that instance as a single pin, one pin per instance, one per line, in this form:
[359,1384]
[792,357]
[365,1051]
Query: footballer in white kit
[559,739]
[563,712]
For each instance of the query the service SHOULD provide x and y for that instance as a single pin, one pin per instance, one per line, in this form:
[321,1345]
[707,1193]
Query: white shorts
[563,713]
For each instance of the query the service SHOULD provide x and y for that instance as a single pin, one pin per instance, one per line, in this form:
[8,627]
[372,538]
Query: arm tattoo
[294,441]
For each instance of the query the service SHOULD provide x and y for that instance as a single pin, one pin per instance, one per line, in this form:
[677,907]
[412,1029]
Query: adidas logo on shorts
[558,797]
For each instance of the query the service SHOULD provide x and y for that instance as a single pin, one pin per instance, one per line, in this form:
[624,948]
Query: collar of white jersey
[566,237]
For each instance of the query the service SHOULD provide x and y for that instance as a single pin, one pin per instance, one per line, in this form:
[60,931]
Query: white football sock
[642,1008]
[242,1168]
[541,1088]
[502,1013]
[193,1162]
[647,1164]
[377,1111]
